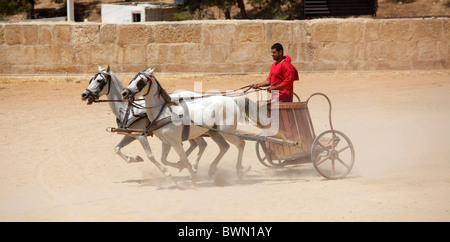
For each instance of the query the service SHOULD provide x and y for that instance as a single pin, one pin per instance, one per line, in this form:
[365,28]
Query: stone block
[255,68]
[219,32]
[142,34]
[377,51]
[62,34]
[335,51]
[428,50]
[133,69]
[183,68]
[188,54]
[104,55]
[75,54]
[250,32]
[220,53]
[427,29]
[158,54]
[443,50]
[47,54]
[323,65]
[108,34]
[447,30]
[4,54]
[134,54]
[262,53]
[45,34]
[310,52]
[221,67]
[21,55]
[29,34]
[395,30]
[242,52]
[371,31]
[86,33]
[398,52]
[429,65]
[278,32]
[350,31]
[300,32]
[5,69]
[12,34]
[179,33]
[2,34]
[324,31]
[19,69]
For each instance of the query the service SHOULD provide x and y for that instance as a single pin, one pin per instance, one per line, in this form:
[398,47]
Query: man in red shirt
[281,77]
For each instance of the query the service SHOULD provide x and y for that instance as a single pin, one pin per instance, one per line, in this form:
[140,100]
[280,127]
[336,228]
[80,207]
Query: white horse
[216,113]
[108,83]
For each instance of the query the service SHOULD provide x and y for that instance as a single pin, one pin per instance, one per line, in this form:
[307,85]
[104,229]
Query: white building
[138,12]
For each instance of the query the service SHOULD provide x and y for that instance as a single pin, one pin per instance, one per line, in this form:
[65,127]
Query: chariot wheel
[333,154]
[264,156]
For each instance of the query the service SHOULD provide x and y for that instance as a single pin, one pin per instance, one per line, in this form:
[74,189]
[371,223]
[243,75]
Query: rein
[247,88]
[134,104]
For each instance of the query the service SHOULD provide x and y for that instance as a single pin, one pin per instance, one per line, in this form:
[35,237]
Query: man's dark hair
[278,47]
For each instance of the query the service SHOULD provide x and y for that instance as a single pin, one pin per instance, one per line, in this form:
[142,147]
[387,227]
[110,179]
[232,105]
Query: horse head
[97,84]
[138,84]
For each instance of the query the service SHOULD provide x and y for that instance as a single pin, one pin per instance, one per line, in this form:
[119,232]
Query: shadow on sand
[225,178]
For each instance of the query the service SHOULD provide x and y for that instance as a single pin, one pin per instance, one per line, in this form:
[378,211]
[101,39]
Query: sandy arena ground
[58,162]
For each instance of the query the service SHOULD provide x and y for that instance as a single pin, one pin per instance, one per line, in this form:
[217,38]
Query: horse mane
[117,80]
[162,93]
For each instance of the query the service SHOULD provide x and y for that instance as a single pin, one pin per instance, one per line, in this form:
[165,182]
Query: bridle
[142,83]
[106,79]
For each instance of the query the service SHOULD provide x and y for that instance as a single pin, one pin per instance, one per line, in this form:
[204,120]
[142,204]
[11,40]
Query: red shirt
[283,73]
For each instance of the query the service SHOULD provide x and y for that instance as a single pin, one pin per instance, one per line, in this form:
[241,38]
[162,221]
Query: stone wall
[224,46]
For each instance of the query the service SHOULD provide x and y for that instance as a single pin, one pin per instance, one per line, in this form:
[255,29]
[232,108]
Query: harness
[128,119]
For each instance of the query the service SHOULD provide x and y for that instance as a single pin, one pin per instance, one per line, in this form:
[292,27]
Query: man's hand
[255,85]
[261,84]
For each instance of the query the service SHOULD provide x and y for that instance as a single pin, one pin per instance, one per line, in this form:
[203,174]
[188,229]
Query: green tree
[266,9]
[277,9]
[11,7]
[224,5]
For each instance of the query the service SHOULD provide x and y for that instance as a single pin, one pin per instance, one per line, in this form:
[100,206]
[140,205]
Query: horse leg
[240,144]
[223,146]
[191,147]
[201,148]
[165,152]
[126,140]
[183,158]
[144,142]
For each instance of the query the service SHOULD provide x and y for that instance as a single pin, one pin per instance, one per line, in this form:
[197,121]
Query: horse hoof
[212,171]
[241,172]
[195,178]
[135,159]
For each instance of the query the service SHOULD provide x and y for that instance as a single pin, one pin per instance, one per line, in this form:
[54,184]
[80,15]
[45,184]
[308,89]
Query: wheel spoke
[346,147]
[323,146]
[321,161]
[343,163]
[332,168]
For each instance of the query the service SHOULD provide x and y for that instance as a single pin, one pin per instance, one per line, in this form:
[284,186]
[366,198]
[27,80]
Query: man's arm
[279,87]
[261,84]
